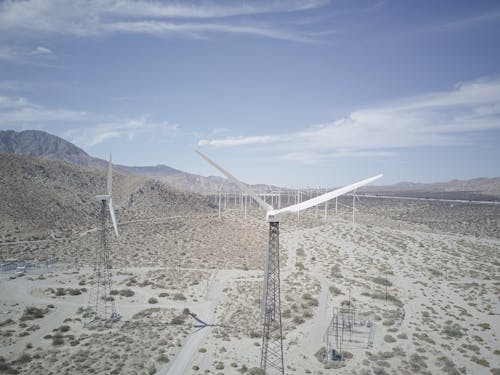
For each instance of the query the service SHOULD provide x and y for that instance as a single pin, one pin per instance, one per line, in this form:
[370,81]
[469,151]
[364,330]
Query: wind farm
[200,287]
[242,225]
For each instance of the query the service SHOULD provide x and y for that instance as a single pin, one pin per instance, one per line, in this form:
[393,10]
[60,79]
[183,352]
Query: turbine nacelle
[108,197]
[273,217]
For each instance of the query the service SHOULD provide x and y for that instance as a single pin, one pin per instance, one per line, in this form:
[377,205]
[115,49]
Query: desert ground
[423,278]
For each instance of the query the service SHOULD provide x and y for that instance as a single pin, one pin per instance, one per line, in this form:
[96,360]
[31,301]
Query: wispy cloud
[18,112]
[85,129]
[472,21]
[439,119]
[126,129]
[42,51]
[37,56]
[14,86]
[103,17]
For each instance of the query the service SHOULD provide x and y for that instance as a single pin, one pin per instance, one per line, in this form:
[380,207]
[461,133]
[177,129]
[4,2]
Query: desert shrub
[74,292]
[177,320]
[417,362]
[480,361]
[179,297]
[381,281]
[23,358]
[60,292]
[152,300]
[126,293]
[453,330]
[484,326]
[298,320]
[32,312]
[163,358]
[254,334]
[114,292]
[254,371]
[219,366]
[202,350]
[64,328]
[6,322]
[163,294]
[335,291]
[57,339]
[389,338]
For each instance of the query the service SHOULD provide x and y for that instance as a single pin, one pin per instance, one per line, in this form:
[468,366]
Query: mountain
[486,189]
[45,196]
[46,146]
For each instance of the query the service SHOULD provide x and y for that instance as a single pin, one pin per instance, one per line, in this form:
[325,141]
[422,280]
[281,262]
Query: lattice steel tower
[101,305]
[272,334]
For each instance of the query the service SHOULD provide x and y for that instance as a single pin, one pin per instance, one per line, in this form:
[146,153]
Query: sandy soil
[441,314]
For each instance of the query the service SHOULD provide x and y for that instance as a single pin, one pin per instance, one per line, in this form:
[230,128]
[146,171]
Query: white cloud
[437,119]
[312,157]
[101,17]
[86,129]
[17,112]
[39,50]
[220,130]
[120,129]
[36,56]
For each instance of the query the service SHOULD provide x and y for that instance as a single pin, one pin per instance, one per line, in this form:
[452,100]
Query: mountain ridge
[43,145]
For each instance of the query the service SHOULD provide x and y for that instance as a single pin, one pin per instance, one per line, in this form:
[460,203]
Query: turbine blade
[244,188]
[110,176]
[112,214]
[325,197]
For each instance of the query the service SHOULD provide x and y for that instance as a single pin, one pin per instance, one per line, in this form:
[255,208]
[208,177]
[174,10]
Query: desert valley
[418,280]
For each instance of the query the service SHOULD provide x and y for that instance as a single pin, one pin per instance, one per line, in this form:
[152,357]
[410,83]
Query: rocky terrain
[43,199]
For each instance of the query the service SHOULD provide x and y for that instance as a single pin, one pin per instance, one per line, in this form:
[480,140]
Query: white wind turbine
[101,304]
[272,342]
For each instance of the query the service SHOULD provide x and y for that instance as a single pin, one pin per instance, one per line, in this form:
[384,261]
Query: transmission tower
[272,335]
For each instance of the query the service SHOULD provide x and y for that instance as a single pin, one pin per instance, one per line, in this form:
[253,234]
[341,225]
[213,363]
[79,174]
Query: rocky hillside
[40,197]
[46,146]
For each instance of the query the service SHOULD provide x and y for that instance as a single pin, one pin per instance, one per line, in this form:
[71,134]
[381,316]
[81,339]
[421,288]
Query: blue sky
[297,93]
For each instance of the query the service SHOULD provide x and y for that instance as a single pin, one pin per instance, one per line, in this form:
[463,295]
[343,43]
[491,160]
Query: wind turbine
[272,336]
[101,303]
